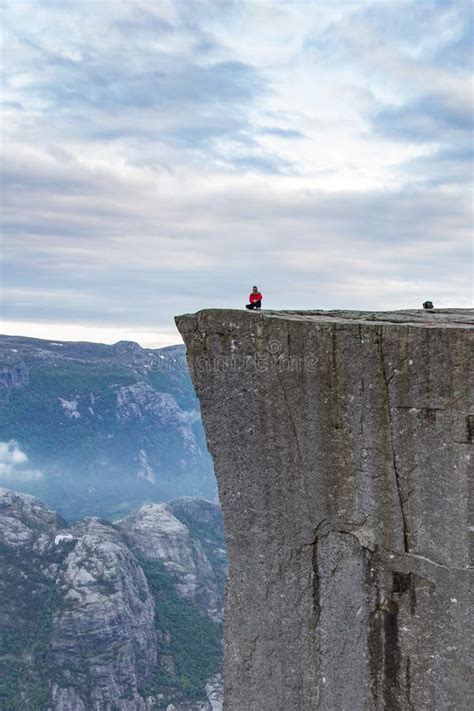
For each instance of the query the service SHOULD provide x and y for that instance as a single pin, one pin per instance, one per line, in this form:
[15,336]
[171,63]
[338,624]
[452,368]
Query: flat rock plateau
[343,448]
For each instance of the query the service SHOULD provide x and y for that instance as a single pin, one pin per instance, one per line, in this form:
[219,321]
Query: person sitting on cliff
[255,299]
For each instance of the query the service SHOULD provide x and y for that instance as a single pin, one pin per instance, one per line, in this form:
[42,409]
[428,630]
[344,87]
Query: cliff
[342,444]
[104,617]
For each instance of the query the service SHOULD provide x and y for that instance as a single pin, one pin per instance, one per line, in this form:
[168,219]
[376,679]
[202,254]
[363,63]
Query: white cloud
[162,157]
[14,464]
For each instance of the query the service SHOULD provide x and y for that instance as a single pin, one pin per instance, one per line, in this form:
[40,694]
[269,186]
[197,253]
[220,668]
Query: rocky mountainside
[111,617]
[343,445]
[95,429]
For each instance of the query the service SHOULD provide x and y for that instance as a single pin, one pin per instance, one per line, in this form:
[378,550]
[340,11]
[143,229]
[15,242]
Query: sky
[163,156]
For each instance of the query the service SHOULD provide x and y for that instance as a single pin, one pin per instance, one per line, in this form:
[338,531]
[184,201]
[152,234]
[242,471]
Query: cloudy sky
[163,156]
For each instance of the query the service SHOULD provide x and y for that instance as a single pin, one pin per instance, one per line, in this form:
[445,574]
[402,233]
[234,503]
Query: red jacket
[255,297]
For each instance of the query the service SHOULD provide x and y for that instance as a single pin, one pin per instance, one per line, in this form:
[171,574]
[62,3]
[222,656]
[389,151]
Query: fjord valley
[109,598]
[97,429]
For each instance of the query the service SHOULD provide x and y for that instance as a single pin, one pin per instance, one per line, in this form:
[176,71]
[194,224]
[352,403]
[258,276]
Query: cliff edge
[343,445]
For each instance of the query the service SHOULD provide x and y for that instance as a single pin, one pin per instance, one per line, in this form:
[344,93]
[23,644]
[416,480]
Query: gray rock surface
[157,534]
[80,627]
[104,641]
[14,377]
[343,448]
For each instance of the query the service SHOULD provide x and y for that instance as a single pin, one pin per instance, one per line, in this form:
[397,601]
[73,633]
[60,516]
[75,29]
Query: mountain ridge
[92,618]
[100,427]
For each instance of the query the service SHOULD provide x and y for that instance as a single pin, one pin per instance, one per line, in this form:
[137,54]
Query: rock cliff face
[104,642]
[343,448]
[157,534]
[103,617]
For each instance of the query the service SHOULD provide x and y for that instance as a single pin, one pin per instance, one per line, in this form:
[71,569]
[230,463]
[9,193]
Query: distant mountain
[100,617]
[95,429]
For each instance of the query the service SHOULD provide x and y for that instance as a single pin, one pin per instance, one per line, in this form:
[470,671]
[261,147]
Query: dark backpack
[427,304]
